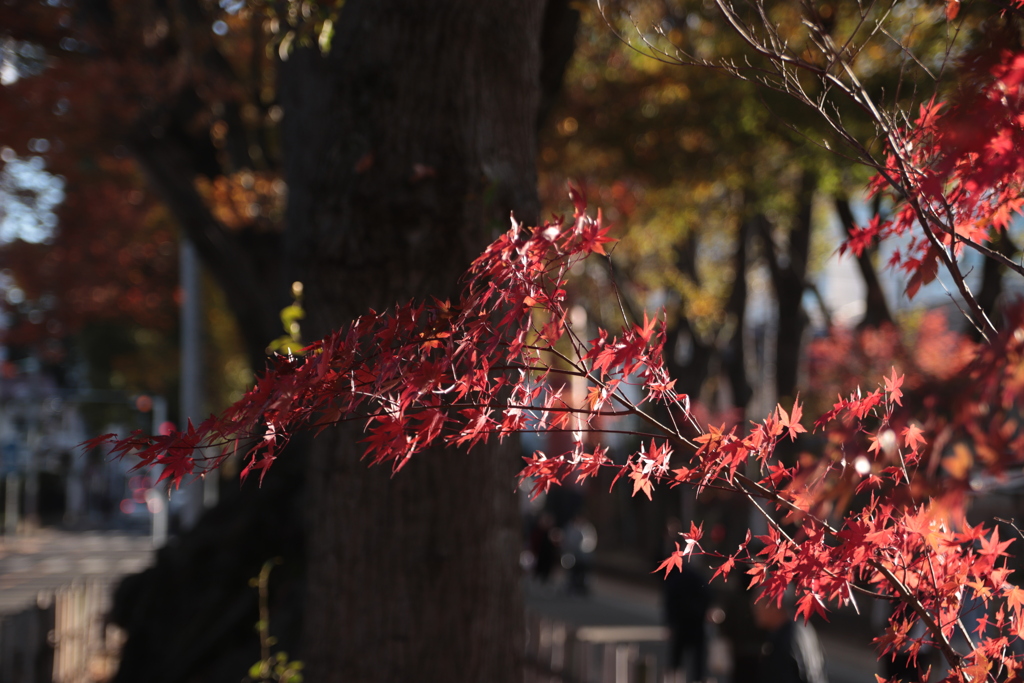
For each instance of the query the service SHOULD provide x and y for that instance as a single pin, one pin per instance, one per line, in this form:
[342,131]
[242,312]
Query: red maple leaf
[892,387]
[808,605]
[673,561]
[912,436]
[792,420]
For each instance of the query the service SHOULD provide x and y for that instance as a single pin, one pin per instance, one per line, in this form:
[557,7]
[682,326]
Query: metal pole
[191,367]
[159,506]
[32,474]
[11,508]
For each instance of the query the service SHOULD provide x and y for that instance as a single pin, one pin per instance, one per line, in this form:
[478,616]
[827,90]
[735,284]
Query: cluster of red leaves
[435,372]
[956,171]
[458,374]
[895,545]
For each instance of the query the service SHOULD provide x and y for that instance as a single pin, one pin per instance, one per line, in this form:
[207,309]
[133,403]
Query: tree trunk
[876,309]
[789,275]
[691,367]
[733,357]
[409,143]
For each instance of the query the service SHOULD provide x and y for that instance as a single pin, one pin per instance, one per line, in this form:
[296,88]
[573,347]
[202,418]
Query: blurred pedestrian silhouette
[544,547]
[578,542]
[741,630]
[790,652]
[686,602]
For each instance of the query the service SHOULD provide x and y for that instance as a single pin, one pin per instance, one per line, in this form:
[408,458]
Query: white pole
[191,405]
[158,503]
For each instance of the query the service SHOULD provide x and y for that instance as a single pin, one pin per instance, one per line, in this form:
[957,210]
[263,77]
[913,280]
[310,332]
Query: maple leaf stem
[980,319]
[545,409]
[1011,523]
[951,655]
[673,436]
[996,256]
[965,633]
[546,370]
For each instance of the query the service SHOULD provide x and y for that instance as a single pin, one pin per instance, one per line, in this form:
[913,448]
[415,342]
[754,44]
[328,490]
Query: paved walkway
[50,558]
[614,604]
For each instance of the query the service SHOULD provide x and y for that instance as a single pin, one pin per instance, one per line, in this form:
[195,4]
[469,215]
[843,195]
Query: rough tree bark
[409,143]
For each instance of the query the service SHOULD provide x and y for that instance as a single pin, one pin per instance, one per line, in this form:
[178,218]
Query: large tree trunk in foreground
[409,143]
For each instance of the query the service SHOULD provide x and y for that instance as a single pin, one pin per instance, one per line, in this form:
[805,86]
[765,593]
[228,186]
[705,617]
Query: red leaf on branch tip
[913,437]
[1015,599]
[647,331]
[892,387]
[808,605]
[579,202]
[861,407]
[261,464]
[870,481]
[992,548]
[673,561]
[641,482]
[595,235]
[952,9]
[924,272]
[724,569]
[791,421]
[101,440]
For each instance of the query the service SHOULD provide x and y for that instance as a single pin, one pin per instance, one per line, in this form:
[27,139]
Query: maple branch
[980,320]
[629,405]
[951,655]
[424,372]
[988,252]
[858,93]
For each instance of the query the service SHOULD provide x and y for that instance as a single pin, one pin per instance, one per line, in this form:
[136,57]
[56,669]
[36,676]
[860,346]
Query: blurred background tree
[401,136]
[732,199]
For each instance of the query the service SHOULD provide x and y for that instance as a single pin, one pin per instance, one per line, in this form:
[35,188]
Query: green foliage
[275,667]
[290,343]
[278,668]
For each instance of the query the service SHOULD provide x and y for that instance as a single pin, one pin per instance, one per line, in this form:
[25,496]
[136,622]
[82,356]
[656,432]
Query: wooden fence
[63,638]
[559,653]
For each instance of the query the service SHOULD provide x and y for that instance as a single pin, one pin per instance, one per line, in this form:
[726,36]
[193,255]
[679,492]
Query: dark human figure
[687,599]
[742,632]
[543,546]
[791,652]
[579,542]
